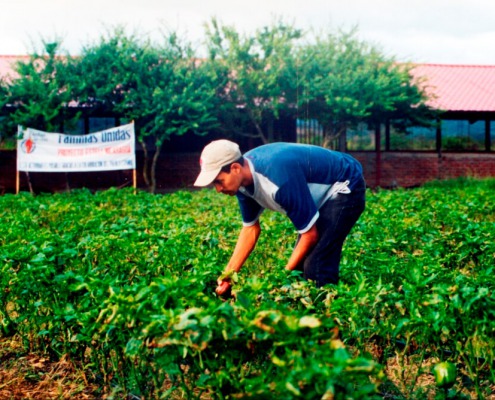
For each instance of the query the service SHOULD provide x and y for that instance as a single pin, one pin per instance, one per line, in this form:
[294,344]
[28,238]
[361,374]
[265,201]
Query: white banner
[108,150]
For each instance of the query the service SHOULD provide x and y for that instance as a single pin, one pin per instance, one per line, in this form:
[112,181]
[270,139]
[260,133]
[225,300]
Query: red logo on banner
[28,146]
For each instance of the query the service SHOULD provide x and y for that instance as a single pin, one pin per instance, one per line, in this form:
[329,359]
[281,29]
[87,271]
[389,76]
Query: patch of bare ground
[25,375]
[33,376]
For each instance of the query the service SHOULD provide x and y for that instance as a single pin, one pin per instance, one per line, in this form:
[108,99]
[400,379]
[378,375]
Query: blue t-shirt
[297,180]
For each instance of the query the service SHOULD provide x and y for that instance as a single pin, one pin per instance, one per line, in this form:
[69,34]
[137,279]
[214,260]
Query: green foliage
[246,82]
[426,274]
[164,90]
[462,143]
[125,283]
[41,93]
[259,76]
[345,81]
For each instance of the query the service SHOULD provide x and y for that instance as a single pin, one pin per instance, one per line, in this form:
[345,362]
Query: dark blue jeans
[337,217]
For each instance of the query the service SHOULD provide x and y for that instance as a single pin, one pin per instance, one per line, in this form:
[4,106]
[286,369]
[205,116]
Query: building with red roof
[460,143]
[464,93]
[466,96]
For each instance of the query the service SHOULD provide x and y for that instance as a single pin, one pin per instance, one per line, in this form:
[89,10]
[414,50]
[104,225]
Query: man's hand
[223,287]
[245,244]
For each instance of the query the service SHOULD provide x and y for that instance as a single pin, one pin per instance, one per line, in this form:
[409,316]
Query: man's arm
[306,242]
[246,242]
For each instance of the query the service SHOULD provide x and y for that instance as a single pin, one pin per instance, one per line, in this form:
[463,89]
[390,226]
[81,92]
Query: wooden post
[134,179]
[438,139]
[17,181]
[134,176]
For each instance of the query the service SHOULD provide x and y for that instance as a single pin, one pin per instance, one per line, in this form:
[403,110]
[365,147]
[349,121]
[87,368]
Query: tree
[163,89]
[180,98]
[258,76]
[345,81]
[39,96]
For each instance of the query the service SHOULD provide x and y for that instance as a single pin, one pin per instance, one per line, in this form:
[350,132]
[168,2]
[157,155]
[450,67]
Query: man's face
[229,182]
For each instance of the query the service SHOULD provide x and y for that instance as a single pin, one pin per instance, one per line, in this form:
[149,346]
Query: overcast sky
[430,31]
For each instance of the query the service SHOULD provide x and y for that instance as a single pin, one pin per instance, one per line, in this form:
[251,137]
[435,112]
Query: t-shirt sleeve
[250,209]
[295,198]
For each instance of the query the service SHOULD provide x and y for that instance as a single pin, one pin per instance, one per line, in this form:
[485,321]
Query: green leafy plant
[124,284]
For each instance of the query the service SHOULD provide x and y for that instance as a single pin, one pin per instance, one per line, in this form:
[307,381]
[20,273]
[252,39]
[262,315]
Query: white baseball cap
[214,157]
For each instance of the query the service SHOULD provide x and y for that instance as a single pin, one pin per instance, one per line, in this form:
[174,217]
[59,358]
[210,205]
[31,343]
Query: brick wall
[403,169]
[178,171]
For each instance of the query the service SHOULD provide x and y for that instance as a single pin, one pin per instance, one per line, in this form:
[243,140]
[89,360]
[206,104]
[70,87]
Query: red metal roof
[7,65]
[459,87]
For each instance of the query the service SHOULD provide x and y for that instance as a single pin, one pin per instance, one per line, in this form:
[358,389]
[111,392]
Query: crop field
[111,295]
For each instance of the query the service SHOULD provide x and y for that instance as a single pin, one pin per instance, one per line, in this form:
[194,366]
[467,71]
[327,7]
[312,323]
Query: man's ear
[236,168]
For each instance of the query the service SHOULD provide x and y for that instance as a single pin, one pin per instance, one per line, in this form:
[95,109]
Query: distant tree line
[242,84]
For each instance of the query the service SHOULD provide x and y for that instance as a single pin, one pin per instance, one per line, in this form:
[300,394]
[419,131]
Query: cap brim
[206,177]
